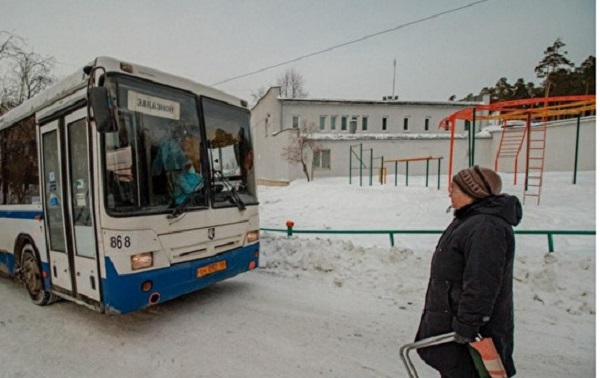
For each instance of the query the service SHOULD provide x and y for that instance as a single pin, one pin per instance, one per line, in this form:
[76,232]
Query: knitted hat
[478,182]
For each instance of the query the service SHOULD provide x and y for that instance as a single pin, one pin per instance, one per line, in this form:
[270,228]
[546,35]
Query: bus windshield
[156,148]
[230,152]
[155,161]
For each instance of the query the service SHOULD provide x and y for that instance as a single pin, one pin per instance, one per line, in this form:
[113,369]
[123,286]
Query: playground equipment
[358,156]
[532,136]
[407,161]
[357,153]
[511,143]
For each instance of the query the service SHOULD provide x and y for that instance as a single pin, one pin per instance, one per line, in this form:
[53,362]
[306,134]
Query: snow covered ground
[327,305]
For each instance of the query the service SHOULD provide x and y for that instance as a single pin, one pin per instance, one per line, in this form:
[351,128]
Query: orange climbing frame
[542,109]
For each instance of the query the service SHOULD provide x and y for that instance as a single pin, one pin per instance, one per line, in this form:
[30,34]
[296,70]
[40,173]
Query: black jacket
[470,289]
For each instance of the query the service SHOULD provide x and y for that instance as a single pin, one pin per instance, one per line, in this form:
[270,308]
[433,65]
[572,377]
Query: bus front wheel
[31,276]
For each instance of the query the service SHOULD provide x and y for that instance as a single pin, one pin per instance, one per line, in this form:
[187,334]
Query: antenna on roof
[394,82]
[393,97]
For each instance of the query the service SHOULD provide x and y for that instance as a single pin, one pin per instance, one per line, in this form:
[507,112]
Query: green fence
[549,233]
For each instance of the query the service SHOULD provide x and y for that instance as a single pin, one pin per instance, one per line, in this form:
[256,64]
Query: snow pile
[344,264]
[553,281]
[556,281]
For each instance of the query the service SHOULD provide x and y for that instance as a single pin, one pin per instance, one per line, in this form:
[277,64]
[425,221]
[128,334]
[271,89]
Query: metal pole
[371,168]
[576,149]
[350,174]
[383,179]
[396,173]
[527,151]
[473,138]
[394,83]
[427,174]
[361,165]
[451,159]
[439,173]
[469,143]
[406,173]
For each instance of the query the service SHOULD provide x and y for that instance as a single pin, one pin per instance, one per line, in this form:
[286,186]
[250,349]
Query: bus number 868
[120,242]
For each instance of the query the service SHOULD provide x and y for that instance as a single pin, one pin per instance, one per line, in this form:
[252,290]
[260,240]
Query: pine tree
[554,60]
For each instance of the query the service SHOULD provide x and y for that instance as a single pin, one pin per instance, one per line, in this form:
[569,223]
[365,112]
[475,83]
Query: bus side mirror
[103,115]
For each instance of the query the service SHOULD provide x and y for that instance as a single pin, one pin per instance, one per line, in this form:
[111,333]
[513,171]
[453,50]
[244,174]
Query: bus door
[67,205]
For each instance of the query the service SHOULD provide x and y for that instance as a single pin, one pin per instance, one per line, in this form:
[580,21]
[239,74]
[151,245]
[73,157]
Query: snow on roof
[380,102]
[375,136]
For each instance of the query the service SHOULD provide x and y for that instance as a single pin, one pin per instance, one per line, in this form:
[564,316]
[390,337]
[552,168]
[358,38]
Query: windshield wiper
[231,191]
[180,209]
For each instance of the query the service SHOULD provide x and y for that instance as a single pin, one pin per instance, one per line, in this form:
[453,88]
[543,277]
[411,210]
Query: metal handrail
[430,341]
[549,233]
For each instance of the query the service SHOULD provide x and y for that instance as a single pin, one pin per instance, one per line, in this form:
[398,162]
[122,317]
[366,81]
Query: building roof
[298,101]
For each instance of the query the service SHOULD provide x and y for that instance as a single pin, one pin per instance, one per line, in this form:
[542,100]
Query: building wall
[268,140]
[395,113]
[273,128]
[396,149]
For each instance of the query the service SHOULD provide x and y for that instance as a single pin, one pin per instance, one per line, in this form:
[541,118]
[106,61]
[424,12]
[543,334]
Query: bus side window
[20,163]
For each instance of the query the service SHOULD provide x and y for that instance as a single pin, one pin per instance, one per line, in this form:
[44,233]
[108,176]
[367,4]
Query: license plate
[211,268]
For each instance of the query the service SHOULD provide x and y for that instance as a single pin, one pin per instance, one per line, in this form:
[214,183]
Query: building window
[295,121]
[405,128]
[344,123]
[384,122]
[365,123]
[322,159]
[322,122]
[333,122]
[426,124]
[353,124]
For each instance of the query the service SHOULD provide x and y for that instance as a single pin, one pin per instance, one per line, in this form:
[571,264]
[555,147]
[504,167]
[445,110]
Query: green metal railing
[549,233]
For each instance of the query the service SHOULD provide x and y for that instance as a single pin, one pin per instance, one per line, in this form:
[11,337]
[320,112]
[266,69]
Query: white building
[390,130]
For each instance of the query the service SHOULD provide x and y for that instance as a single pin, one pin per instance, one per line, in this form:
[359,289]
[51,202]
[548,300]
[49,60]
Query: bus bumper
[123,293]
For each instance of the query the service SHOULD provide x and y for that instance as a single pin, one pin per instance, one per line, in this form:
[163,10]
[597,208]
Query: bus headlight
[252,236]
[142,260]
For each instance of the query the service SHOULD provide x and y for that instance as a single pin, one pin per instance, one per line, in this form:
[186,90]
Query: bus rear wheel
[31,276]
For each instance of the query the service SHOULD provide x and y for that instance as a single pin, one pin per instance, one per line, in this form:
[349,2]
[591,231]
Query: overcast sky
[211,41]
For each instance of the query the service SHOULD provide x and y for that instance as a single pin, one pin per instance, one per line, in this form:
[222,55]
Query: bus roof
[78,81]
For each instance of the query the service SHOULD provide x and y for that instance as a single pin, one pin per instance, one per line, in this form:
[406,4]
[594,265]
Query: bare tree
[291,83]
[34,74]
[23,73]
[9,48]
[302,147]
[258,94]
[9,44]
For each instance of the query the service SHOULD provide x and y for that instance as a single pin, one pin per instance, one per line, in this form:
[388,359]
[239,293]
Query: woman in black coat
[470,288]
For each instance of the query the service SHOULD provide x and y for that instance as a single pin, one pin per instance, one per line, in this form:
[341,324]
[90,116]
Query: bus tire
[31,276]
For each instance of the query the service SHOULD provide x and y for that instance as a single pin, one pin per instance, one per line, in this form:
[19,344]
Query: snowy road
[256,325]
[261,324]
